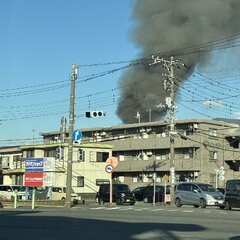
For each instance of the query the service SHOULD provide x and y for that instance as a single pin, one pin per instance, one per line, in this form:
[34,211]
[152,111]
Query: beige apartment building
[204,150]
[88,164]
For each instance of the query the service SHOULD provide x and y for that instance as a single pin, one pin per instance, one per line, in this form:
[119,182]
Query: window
[102,156]
[80,181]
[188,154]
[212,155]
[50,153]
[30,154]
[5,162]
[213,132]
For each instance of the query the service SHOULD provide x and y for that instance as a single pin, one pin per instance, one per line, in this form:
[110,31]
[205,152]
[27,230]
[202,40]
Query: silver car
[198,194]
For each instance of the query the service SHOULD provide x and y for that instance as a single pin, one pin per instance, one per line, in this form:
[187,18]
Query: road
[139,222]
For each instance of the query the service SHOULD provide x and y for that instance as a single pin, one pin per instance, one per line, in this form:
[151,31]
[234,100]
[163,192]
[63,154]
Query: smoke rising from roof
[161,26]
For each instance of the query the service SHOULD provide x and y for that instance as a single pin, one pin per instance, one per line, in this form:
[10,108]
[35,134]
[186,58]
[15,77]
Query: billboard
[34,165]
[39,172]
[33,179]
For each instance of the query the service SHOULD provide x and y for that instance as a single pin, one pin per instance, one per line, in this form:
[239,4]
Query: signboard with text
[34,165]
[33,179]
[39,172]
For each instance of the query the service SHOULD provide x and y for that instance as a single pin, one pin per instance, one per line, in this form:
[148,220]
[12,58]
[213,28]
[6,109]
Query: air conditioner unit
[149,130]
[149,153]
[195,126]
[142,130]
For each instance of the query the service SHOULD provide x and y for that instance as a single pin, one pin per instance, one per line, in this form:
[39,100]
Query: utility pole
[169,86]
[70,141]
[150,114]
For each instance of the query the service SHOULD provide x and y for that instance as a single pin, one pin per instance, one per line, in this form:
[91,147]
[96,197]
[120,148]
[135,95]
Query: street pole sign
[76,135]
[111,163]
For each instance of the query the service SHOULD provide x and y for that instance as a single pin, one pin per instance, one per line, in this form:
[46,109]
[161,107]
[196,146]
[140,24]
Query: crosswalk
[187,209]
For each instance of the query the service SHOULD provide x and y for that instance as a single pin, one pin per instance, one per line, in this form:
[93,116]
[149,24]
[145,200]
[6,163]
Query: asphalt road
[139,222]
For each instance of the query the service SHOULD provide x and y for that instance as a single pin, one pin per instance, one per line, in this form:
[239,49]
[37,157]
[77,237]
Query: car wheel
[222,207]
[132,203]
[202,203]
[145,200]
[101,202]
[196,206]
[227,205]
[63,199]
[178,202]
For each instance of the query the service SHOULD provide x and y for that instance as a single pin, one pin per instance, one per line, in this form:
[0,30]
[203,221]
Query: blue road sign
[76,135]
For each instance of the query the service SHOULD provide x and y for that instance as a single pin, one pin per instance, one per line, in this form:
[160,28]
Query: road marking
[97,208]
[156,210]
[187,211]
[112,208]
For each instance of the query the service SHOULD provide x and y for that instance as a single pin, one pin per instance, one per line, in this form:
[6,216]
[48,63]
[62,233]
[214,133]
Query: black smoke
[163,26]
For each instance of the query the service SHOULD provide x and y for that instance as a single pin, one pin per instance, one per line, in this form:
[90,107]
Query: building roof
[149,124]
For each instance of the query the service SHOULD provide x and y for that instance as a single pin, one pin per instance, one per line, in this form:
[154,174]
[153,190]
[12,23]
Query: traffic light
[58,154]
[80,155]
[93,114]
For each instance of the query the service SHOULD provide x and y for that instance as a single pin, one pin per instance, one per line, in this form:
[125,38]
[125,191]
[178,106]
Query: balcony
[154,142]
[232,155]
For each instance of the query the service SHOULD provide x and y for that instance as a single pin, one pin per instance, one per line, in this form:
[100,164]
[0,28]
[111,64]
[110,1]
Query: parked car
[222,190]
[232,194]
[148,193]
[40,193]
[138,193]
[8,192]
[198,194]
[59,193]
[121,194]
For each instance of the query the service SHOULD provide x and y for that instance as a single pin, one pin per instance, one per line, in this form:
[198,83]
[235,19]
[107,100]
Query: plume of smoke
[161,26]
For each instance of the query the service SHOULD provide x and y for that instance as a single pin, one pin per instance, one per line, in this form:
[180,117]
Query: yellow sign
[165,178]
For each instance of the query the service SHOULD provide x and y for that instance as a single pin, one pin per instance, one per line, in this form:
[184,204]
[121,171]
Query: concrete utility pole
[70,141]
[169,65]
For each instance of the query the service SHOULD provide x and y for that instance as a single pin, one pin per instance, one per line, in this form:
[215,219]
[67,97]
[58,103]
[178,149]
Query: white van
[59,194]
[7,192]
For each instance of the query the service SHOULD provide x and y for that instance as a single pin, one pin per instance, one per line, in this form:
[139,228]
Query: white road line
[97,208]
[187,211]
[156,210]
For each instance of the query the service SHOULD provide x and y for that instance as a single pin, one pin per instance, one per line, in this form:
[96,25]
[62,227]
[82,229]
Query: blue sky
[40,40]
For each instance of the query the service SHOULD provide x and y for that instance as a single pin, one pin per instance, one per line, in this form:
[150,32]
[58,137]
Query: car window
[194,187]
[184,187]
[207,188]
[123,188]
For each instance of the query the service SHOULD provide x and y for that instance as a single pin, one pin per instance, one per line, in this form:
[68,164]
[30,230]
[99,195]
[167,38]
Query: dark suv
[232,194]
[121,194]
[148,193]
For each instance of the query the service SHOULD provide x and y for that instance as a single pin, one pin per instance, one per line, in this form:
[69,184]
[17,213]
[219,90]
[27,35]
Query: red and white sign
[109,168]
[33,179]
[112,161]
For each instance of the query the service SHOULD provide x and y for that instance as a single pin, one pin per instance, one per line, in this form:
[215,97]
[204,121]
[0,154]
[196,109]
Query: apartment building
[204,150]
[88,164]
